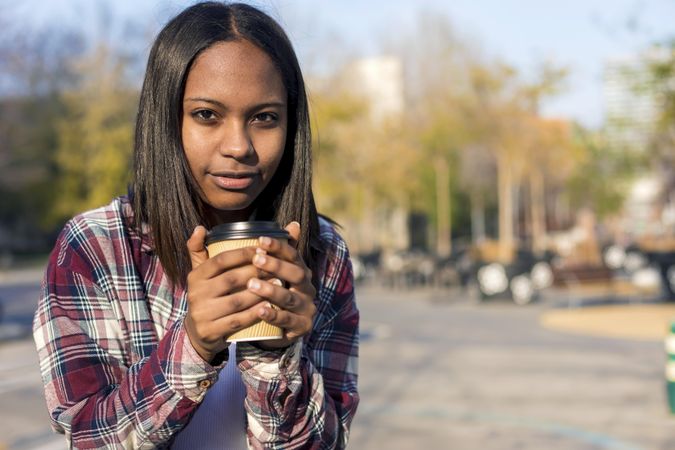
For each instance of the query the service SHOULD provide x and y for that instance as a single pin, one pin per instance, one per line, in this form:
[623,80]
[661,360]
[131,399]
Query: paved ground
[440,371]
[24,423]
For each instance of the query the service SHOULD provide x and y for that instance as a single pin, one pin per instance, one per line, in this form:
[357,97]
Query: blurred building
[378,80]
[641,216]
[633,105]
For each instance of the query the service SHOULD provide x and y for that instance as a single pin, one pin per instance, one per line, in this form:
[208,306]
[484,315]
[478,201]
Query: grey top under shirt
[220,421]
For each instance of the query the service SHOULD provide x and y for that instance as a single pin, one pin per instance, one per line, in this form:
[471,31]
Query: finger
[226,260]
[278,248]
[232,323]
[285,299]
[293,229]
[228,282]
[219,307]
[294,325]
[196,248]
[292,273]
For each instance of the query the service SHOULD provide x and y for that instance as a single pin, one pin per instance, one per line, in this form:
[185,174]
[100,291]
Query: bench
[593,282]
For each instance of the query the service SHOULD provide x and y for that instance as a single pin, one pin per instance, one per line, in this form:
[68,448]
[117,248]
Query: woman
[131,328]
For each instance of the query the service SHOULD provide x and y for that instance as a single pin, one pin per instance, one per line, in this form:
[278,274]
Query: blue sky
[581,34]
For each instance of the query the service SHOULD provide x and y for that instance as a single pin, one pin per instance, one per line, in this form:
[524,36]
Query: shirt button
[204,384]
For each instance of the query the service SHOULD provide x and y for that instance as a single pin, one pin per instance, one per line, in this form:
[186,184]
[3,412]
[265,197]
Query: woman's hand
[290,288]
[219,303]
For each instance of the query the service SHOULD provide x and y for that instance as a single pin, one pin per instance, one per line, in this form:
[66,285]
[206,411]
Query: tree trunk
[505,195]
[371,235]
[538,211]
[477,217]
[443,241]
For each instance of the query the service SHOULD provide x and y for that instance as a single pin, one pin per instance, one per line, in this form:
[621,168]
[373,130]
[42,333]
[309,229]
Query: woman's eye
[265,118]
[204,115]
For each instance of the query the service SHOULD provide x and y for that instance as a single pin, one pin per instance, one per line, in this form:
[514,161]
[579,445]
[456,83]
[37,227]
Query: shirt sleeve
[94,397]
[307,397]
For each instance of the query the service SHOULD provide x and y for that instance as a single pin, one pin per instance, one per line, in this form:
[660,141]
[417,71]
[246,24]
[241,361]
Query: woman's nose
[236,141]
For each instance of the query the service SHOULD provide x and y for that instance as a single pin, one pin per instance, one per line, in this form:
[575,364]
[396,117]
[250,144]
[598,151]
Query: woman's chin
[232,212]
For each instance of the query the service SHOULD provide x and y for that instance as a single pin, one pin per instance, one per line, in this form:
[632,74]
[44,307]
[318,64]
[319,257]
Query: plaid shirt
[119,370]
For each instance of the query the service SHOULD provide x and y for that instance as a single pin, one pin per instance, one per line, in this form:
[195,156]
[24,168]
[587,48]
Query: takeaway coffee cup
[230,236]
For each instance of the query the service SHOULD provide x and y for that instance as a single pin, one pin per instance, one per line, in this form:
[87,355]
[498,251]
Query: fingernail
[260,251]
[253,284]
[259,259]
[276,281]
[263,312]
[264,240]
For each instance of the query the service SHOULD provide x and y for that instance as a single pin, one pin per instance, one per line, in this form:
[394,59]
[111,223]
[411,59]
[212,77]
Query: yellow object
[633,322]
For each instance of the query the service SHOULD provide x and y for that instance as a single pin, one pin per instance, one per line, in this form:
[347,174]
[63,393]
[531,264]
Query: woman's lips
[233,181]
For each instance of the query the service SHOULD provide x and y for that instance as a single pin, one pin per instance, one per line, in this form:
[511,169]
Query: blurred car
[520,278]
[646,264]
[408,268]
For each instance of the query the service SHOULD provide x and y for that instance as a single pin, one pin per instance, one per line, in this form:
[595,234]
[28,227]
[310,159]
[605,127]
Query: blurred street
[24,422]
[440,370]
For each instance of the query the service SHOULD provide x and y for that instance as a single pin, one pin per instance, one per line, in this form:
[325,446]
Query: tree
[363,166]
[44,125]
[33,71]
[662,141]
[554,155]
[470,129]
[95,143]
[436,60]
[602,178]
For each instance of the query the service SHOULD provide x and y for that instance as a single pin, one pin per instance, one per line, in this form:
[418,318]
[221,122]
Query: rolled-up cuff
[184,370]
[267,364]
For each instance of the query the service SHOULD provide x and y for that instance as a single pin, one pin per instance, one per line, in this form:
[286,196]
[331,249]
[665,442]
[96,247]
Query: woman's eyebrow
[270,104]
[273,103]
[205,100]
[266,104]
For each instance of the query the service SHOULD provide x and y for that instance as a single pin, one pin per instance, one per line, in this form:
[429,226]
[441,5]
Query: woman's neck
[216,216]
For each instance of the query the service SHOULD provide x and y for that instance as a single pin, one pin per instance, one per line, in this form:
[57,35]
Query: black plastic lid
[245,230]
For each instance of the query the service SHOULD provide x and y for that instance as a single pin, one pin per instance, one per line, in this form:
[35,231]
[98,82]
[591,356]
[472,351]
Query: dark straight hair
[165,195]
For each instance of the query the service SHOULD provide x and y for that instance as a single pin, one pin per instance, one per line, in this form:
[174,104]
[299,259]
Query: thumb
[195,246]
[293,229]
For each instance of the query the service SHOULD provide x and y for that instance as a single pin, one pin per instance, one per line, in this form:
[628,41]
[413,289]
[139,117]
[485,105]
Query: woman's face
[234,125]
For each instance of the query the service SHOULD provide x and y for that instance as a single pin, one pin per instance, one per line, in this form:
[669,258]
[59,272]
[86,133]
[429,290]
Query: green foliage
[28,135]
[334,121]
[33,69]
[359,163]
[93,155]
[66,121]
[663,80]
[602,180]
